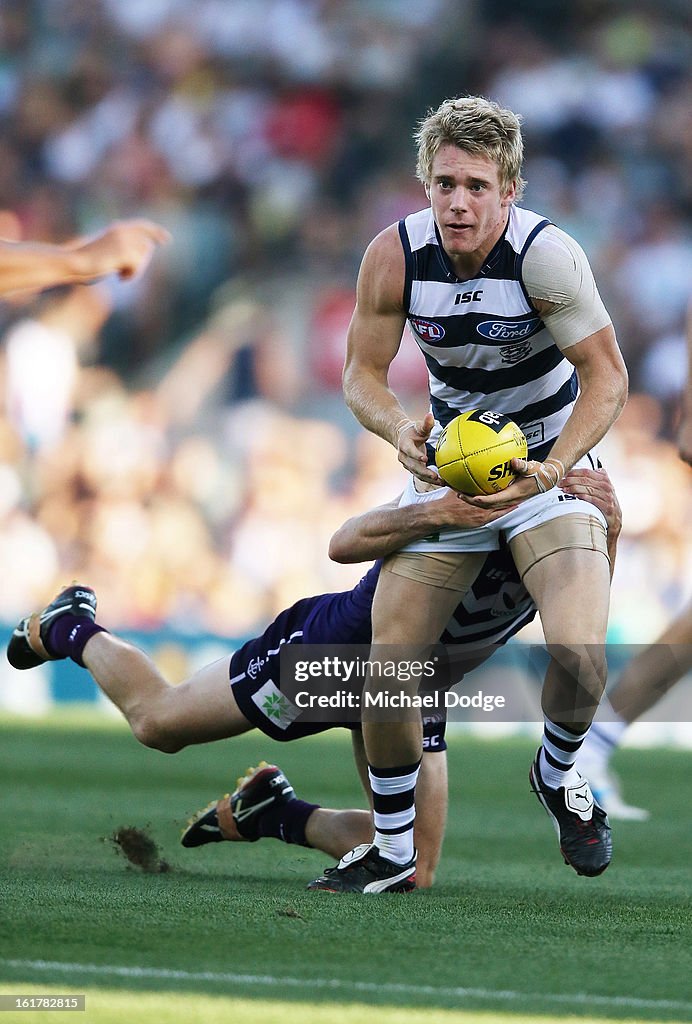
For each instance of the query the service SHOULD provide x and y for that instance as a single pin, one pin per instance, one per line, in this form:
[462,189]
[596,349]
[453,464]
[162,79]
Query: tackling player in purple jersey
[207,708]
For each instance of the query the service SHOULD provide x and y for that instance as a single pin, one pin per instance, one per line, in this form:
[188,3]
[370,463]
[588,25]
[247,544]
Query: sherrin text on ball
[475,449]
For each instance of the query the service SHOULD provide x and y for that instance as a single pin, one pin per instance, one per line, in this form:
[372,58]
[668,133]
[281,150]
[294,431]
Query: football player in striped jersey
[507,315]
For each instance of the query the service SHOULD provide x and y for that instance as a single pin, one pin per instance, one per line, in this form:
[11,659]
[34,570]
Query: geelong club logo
[515,353]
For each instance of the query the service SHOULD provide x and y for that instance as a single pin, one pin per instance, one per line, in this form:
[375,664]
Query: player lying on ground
[236,694]
[124,248]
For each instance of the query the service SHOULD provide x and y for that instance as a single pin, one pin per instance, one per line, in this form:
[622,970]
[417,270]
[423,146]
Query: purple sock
[67,636]
[287,822]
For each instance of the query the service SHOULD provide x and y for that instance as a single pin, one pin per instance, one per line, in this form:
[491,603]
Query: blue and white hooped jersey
[484,343]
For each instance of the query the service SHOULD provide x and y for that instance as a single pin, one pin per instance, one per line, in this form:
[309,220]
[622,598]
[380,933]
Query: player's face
[469,208]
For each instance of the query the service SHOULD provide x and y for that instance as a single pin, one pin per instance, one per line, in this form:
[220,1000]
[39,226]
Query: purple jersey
[340,618]
[495,608]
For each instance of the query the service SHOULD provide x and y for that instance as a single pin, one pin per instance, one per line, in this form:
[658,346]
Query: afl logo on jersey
[427,330]
[501,330]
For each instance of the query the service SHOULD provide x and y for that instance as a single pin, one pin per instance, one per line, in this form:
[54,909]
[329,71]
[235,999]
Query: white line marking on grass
[337,984]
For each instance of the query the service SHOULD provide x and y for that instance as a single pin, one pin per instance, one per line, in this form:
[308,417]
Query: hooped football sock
[394,810]
[558,754]
[67,636]
[287,822]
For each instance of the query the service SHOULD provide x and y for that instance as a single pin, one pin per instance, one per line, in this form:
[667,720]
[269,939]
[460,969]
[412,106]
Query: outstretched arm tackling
[388,528]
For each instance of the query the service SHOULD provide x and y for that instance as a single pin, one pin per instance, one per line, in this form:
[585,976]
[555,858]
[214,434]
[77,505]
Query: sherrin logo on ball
[475,449]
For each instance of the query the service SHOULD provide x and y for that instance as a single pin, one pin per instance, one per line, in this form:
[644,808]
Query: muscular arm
[603,391]
[559,281]
[373,340]
[124,248]
[388,528]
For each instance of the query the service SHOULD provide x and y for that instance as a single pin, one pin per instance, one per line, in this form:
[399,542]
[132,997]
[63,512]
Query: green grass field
[509,933]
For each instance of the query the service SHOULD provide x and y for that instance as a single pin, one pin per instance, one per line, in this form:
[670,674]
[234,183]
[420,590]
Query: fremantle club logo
[254,666]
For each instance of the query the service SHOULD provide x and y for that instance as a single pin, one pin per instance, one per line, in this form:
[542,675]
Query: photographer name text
[345,699]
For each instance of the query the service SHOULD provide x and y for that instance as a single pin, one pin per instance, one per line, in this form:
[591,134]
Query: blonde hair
[478,126]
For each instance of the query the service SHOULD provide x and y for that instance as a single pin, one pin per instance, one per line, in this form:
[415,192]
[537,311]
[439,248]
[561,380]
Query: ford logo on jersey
[501,330]
[427,330]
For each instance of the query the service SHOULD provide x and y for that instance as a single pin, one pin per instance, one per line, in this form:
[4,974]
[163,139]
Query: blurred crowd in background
[180,442]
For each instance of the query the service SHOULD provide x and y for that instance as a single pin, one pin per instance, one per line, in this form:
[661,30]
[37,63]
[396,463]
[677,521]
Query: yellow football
[474,451]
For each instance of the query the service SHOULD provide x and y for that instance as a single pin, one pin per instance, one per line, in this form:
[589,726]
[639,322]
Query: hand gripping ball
[474,451]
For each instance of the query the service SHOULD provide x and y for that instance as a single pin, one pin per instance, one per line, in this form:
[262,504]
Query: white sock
[558,754]
[394,810]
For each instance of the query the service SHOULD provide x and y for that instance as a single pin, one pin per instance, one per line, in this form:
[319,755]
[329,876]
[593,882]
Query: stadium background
[181,442]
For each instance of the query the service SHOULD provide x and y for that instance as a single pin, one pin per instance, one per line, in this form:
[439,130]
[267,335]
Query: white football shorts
[532,512]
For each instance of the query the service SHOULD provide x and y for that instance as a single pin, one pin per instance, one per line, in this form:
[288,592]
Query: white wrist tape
[401,426]
[558,466]
[543,479]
